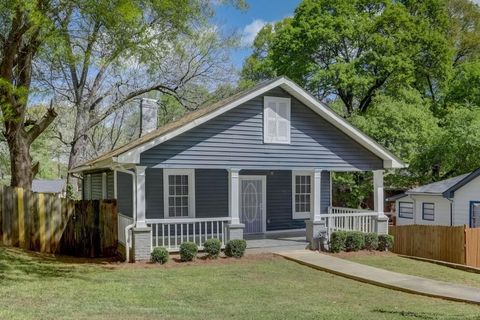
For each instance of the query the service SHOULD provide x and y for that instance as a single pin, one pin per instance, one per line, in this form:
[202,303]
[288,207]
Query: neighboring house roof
[447,187]
[48,186]
[130,153]
[449,193]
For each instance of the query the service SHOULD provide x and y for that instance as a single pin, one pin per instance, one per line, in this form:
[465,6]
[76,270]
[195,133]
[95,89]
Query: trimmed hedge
[371,241]
[212,247]
[235,248]
[159,255]
[355,241]
[337,241]
[385,242]
[188,251]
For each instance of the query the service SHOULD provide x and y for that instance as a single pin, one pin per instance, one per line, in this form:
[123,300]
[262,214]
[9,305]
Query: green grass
[32,287]
[429,270]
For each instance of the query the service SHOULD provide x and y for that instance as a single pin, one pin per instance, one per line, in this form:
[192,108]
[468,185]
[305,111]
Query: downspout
[134,204]
[451,211]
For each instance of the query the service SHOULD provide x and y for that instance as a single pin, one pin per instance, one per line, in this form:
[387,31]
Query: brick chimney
[148,115]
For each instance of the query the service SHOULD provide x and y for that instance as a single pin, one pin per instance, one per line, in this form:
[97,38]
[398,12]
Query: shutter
[276,120]
[283,122]
[271,122]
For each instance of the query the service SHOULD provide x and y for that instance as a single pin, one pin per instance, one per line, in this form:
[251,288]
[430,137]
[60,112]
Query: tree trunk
[21,168]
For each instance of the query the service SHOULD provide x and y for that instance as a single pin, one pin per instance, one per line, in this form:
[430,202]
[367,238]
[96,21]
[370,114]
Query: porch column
[378,202]
[315,227]
[234,228]
[142,234]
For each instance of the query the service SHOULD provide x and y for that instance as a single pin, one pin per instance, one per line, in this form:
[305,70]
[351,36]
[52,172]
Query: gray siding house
[255,163]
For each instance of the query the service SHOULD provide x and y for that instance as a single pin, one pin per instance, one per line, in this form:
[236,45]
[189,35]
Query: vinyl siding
[110,185]
[96,186]
[211,193]
[462,198]
[125,194]
[442,210]
[235,139]
[154,193]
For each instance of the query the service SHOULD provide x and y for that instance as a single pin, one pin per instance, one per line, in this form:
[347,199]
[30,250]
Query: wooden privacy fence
[47,223]
[452,244]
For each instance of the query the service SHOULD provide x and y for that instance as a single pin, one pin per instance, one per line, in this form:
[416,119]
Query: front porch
[263,207]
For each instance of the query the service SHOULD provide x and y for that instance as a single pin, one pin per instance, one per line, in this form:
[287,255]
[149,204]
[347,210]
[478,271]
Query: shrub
[212,247]
[188,251]
[385,242]
[355,241]
[337,241]
[235,248]
[371,241]
[159,255]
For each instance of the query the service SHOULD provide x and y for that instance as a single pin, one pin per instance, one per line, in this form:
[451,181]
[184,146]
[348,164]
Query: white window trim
[266,100]
[191,191]
[302,215]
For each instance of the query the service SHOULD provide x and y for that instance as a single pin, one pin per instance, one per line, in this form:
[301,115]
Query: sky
[248,22]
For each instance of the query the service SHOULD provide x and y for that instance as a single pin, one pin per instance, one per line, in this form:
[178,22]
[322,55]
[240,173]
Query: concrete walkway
[267,243]
[384,278]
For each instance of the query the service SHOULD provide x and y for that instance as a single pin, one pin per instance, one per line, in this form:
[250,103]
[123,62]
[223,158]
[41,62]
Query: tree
[24,27]
[167,47]
[455,149]
[355,49]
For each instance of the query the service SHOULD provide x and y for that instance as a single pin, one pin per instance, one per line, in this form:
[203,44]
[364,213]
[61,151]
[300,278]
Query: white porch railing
[170,233]
[123,237]
[348,219]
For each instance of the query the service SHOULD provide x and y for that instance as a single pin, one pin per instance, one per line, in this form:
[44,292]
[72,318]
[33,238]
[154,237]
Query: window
[178,190]
[276,120]
[405,210]
[302,195]
[428,211]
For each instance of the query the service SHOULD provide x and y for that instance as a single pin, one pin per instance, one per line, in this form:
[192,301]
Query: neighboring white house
[451,202]
[58,187]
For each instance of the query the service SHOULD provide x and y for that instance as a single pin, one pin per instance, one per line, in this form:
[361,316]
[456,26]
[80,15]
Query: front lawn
[393,262]
[256,287]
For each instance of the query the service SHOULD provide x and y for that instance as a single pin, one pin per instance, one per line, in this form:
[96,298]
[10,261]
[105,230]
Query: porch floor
[275,242]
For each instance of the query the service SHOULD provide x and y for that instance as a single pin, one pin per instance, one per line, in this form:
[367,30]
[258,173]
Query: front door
[252,203]
[474,214]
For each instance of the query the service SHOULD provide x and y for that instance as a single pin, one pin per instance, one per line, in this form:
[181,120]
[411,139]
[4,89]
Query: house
[58,186]
[450,202]
[255,163]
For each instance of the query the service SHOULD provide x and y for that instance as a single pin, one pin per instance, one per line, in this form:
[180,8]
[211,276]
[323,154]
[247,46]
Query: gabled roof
[48,186]
[130,153]
[438,187]
[449,193]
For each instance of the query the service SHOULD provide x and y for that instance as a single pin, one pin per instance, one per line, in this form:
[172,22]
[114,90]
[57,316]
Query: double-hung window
[276,120]
[405,210]
[428,211]
[178,190]
[302,194]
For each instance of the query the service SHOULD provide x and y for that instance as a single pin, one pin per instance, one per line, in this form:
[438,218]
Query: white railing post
[378,198]
[140,186]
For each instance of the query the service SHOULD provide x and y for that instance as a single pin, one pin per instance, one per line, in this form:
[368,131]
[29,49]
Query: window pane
[178,195]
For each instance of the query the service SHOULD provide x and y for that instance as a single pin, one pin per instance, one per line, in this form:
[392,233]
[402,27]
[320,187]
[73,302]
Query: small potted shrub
[337,241]
[188,251]
[371,241]
[355,241]
[235,248]
[159,255]
[385,242]
[212,247]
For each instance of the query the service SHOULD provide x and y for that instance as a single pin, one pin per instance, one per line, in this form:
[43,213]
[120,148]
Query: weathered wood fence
[452,244]
[47,223]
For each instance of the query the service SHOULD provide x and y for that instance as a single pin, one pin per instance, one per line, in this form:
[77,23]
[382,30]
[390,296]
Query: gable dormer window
[276,120]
